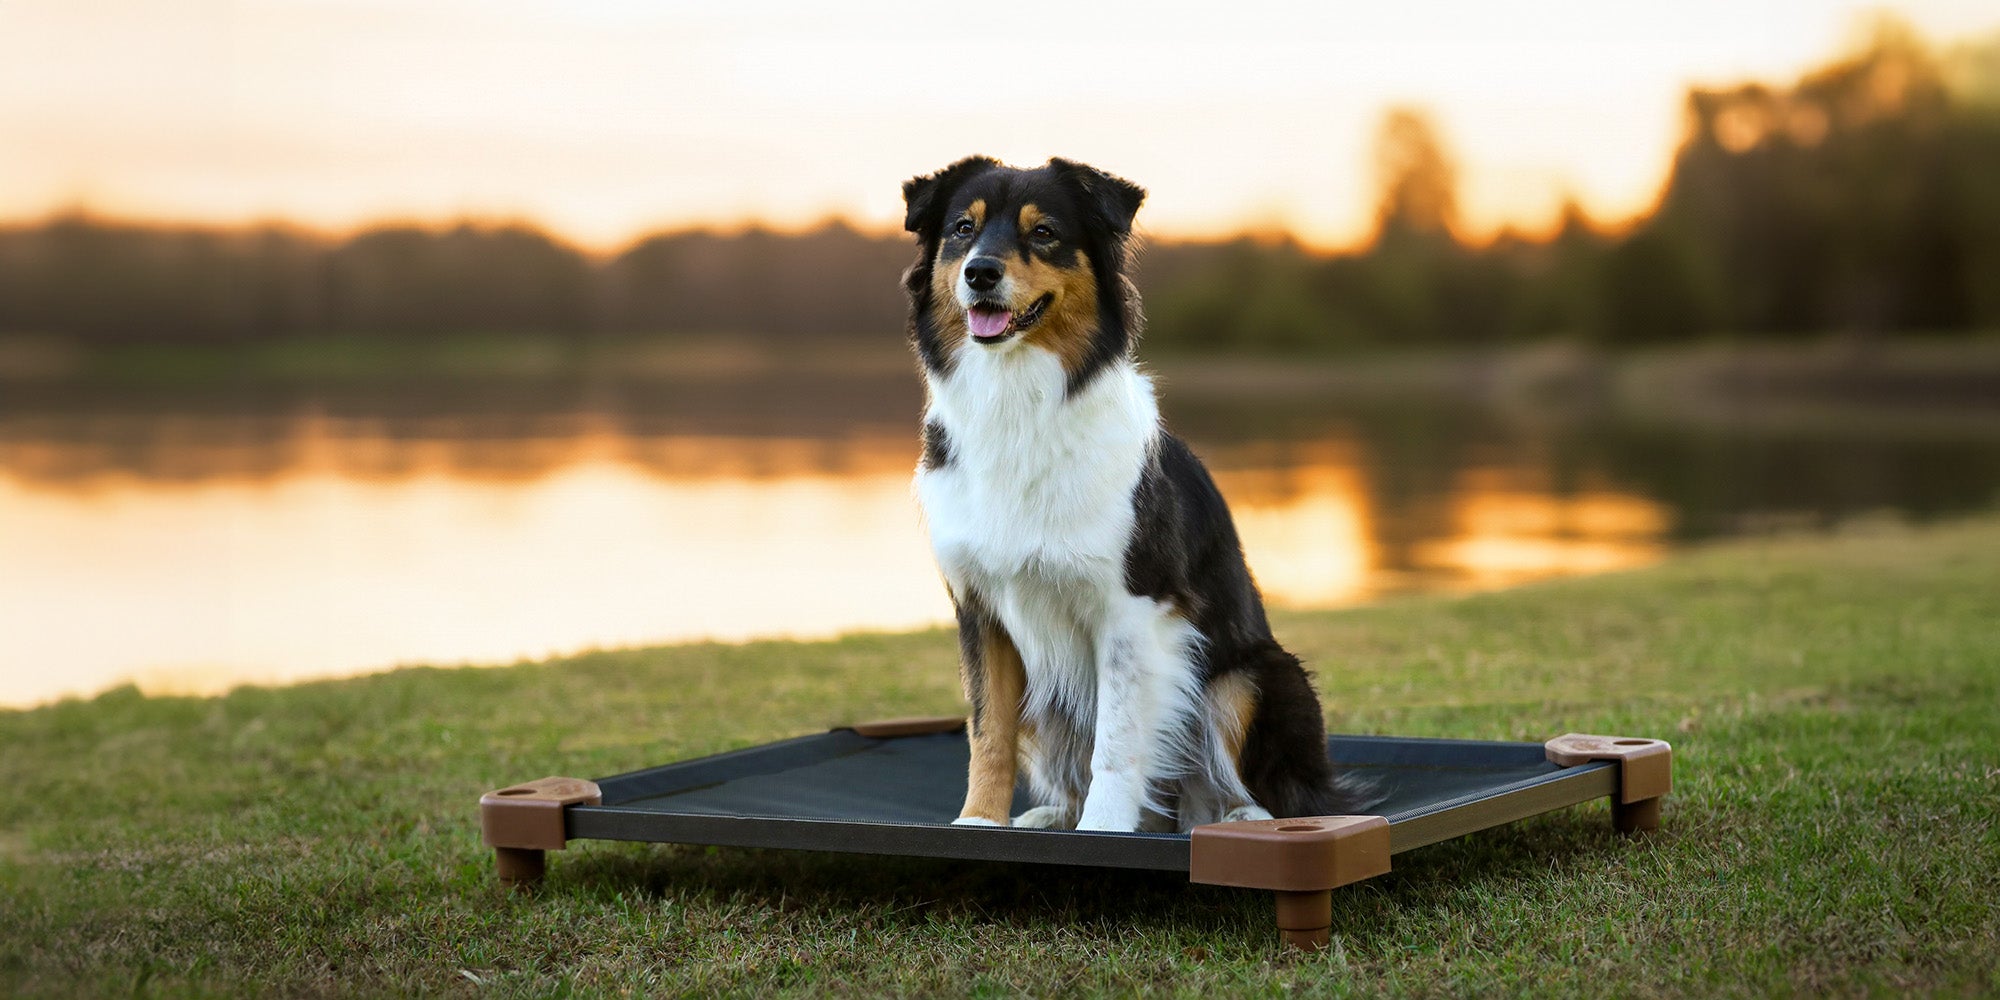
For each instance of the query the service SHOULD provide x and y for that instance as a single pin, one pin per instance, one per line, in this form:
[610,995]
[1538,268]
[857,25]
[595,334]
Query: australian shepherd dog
[1114,646]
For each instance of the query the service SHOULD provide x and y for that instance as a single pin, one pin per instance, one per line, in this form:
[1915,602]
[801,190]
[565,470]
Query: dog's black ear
[1114,198]
[924,196]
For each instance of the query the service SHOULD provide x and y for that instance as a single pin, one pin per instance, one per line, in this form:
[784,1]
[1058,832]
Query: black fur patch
[973,621]
[1185,551]
[923,197]
[1284,753]
[923,330]
[937,446]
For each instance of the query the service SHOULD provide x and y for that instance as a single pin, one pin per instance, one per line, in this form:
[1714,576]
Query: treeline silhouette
[1865,197]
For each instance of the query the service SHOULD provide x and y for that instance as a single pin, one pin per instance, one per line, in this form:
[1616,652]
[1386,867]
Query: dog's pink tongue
[988,322]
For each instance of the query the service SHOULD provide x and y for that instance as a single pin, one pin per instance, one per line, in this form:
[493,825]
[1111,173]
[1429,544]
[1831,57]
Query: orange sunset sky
[603,120]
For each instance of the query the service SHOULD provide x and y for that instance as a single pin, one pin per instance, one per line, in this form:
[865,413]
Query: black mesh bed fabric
[841,791]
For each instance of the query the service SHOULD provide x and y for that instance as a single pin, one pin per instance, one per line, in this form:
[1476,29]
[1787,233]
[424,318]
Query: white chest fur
[1034,509]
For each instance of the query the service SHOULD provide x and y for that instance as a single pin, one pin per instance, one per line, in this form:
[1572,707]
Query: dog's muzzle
[991,322]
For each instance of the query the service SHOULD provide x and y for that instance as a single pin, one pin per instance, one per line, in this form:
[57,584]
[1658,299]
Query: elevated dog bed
[893,788]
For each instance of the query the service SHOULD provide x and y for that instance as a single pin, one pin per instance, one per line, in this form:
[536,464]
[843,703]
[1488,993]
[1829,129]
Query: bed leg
[1305,919]
[1301,860]
[519,868]
[1645,772]
[523,822]
[1634,817]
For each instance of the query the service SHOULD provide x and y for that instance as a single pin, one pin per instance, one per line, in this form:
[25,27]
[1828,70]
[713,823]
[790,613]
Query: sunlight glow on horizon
[603,121]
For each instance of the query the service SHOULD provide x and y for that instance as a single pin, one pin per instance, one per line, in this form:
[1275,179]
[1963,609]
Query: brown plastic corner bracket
[923,725]
[1645,772]
[1301,860]
[521,821]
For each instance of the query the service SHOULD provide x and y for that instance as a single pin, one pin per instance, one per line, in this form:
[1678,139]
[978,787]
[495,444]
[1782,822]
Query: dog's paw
[975,821]
[1090,825]
[1113,804]
[1042,818]
[1109,820]
[1252,811]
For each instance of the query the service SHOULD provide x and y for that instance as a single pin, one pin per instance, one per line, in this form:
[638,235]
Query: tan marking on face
[1233,703]
[995,735]
[1069,324]
[1031,216]
[946,314]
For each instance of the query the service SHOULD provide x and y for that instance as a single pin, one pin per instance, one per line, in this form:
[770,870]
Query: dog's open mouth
[992,323]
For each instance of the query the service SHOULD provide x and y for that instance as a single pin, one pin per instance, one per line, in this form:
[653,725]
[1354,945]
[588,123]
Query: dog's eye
[964,228]
[1044,233]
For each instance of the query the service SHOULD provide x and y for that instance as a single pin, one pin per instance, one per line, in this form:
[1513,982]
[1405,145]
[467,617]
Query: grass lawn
[1834,702]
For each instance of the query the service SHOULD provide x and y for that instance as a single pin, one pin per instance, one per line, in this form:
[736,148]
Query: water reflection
[196,588]
[191,541]
[1504,538]
[368,551]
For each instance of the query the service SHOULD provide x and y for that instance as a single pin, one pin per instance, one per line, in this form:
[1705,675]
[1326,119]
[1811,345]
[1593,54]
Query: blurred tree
[1417,180]
[1557,282]
[467,279]
[1829,205]
[1653,290]
[1244,295]
[1413,255]
[277,281]
[102,280]
[1972,152]
[827,282]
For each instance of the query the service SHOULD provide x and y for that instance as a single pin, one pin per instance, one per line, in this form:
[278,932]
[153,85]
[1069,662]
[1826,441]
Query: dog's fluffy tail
[1285,765]
[1347,794]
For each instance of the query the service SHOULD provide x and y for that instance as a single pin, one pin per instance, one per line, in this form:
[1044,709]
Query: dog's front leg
[994,680]
[1139,701]
[1118,759]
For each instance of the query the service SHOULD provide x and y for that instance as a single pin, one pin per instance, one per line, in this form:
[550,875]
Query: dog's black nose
[983,273]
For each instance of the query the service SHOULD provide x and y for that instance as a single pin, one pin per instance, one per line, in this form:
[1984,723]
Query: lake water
[188,539]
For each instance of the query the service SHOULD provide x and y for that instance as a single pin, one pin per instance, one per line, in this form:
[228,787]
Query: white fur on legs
[1045,818]
[974,821]
[1249,812]
[1115,798]
[1147,690]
